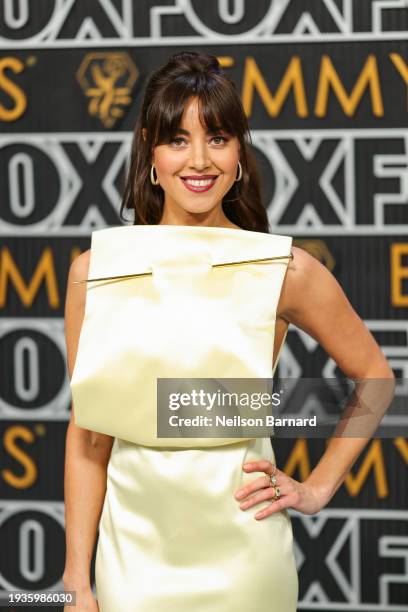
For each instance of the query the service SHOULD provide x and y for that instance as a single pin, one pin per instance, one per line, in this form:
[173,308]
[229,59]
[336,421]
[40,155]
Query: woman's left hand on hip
[286,493]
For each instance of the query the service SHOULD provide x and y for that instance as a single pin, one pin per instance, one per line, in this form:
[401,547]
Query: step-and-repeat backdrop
[325,86]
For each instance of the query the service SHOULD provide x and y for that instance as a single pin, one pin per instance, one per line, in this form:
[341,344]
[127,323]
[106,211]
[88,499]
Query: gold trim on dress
[229,263]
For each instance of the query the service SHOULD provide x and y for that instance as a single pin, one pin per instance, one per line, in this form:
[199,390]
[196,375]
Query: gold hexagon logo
[107,78]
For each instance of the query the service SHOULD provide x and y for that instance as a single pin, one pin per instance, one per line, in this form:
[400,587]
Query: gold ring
[272,477]
[277,494]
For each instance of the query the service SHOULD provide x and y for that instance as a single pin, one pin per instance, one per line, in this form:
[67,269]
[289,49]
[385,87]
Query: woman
[185,525]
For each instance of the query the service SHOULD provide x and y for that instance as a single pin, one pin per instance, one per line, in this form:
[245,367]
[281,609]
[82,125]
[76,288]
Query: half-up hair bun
[203,61]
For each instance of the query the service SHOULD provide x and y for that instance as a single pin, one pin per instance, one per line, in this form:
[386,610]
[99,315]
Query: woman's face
[196,169]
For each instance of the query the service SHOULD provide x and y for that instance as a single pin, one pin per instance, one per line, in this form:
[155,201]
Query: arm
[86,455]
[313,300]
[325,313]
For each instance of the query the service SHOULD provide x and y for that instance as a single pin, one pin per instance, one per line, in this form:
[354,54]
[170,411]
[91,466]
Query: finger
[262,465]
[267,467]
[277,506]
[265,493]
[258,483]
[259,496]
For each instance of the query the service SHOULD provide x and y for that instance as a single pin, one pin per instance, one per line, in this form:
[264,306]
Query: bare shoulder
[305,275]
[80,266]
[75,304]
[303,264]
[76,292]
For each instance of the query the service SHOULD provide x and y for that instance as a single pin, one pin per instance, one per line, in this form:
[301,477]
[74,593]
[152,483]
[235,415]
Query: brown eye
[224,140]
[177,141]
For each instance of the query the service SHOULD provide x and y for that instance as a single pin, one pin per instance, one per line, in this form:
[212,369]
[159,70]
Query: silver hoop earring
[154,181]
[239,173]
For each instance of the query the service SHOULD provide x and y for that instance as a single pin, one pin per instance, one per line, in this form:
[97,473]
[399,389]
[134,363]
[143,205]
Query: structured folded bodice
[167,301]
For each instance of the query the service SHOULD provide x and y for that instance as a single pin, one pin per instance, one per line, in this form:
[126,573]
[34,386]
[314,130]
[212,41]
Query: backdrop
[324,84]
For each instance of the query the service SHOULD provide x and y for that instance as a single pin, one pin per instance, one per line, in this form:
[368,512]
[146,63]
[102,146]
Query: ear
[144,133]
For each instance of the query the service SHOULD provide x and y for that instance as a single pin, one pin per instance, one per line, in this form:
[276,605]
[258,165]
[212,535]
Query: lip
[198,177]
[203,177]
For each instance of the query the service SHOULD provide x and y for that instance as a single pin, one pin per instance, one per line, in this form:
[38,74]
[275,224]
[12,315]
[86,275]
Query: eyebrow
[218,128]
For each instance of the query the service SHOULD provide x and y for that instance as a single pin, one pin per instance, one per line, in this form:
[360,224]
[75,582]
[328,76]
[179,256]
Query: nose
[199,156]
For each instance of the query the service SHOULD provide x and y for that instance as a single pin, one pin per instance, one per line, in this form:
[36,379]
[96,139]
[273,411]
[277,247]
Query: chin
[198,209]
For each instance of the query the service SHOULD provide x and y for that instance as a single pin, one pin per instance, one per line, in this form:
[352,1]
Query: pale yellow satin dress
[172,537]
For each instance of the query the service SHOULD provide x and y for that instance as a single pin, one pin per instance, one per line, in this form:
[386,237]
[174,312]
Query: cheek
[233,165]
[167,164]
[227,162]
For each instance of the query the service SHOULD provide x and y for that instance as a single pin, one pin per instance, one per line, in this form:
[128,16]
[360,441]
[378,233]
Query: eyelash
[183,139]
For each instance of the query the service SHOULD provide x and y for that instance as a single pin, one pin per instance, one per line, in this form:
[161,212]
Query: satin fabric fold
[172,537]
[187,320]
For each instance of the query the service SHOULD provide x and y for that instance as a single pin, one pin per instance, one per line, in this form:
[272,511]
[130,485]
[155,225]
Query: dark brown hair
[184,75]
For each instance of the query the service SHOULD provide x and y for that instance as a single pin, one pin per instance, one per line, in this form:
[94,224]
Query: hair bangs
[214,110]
[215,113]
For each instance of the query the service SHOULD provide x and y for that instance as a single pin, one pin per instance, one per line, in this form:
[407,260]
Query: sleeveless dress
[160,303]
